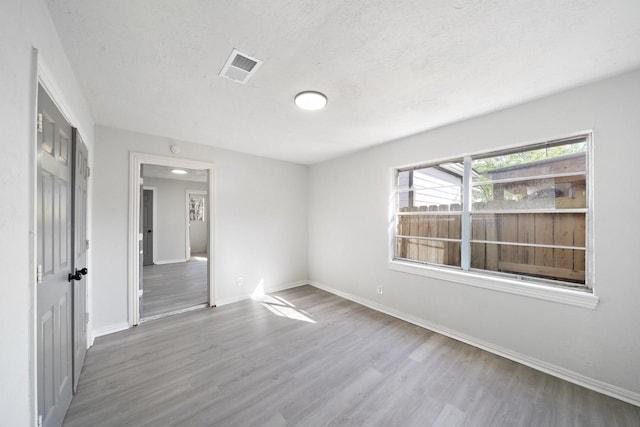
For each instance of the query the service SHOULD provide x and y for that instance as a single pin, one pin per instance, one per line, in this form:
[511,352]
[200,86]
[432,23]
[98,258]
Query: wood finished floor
[305,357]
[171,287]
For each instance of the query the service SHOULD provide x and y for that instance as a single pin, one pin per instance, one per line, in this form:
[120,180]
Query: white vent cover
[240,67]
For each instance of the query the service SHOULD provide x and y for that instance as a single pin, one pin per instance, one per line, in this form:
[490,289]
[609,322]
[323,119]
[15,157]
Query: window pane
[508,181]
[196,208]
[561,229]
[552,193]
[530,229]
[429,251]
[567,265]
[440,226]
[431,188]
[546,160]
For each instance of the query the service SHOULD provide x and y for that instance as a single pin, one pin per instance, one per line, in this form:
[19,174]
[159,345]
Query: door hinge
[39,274]
[86,246]
[39,420]
[40,125]
[87,317]
[140,292]
[88,171]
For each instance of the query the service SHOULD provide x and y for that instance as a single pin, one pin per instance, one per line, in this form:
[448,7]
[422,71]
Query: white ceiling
[389,68]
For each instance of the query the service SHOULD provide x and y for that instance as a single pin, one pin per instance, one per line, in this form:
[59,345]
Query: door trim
[33,242]
[154,222]
[187,240]
[133,265]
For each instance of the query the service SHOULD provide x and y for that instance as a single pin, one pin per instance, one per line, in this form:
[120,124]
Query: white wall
[349,218]
[260,219]
[171,216]
[24,24]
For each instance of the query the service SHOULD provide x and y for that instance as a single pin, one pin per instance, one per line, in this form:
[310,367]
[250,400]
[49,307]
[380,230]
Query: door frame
[154,221]
[136,160]
[42,75]
[187,240]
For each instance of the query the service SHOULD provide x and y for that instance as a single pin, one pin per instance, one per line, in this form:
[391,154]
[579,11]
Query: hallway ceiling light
[179,171]
[310,100]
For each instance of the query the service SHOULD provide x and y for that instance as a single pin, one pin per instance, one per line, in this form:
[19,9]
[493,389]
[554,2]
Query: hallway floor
[171,287]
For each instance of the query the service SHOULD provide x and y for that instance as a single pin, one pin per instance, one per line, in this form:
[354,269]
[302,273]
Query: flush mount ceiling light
[179,171]
[310,100]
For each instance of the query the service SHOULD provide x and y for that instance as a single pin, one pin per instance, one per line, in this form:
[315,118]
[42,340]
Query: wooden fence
[562,229]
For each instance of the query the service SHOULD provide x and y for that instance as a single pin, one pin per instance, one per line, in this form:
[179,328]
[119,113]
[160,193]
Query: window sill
[531,290]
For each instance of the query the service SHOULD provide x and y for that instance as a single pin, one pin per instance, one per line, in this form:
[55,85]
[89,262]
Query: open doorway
[174,272]
[166,276]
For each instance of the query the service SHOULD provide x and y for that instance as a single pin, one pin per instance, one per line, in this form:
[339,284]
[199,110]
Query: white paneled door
[57,277]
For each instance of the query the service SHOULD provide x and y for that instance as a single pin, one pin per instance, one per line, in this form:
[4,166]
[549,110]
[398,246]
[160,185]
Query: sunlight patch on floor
[279,306]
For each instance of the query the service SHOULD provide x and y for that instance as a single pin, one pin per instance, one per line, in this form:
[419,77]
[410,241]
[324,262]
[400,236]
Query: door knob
[76,276]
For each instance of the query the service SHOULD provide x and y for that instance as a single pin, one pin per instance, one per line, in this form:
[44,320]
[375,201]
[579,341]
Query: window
[519,213]
[196,208]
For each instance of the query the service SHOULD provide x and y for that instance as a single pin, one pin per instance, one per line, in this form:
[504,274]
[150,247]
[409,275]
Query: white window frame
[520,285]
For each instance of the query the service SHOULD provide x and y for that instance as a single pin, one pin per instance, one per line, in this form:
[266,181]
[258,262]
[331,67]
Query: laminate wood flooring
[304,357]
[171,287]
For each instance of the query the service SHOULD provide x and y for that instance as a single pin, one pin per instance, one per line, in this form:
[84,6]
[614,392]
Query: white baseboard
[106,330]
[170,261]
[231,300]
[276,288]
[551,369]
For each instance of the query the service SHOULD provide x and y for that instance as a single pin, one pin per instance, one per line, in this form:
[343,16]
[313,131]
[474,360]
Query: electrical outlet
[379,289]
[240,281]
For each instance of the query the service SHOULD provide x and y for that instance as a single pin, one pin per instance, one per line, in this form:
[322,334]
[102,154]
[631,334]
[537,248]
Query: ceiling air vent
[240,67]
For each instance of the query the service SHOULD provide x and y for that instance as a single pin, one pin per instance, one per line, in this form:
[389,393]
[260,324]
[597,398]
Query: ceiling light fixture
[311,100]
[179,171]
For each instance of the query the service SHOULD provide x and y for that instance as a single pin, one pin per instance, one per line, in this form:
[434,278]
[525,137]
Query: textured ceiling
[389,68]
[164,172]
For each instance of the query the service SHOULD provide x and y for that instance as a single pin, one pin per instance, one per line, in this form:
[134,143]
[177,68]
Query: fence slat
[579,239]
[563,235]
[454,233]
[478,226]
[491,251]
[421,230]
[443,232]
[433,247]
[508,232]
[414,248]
[544,235]
[401,244]
[526,234]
